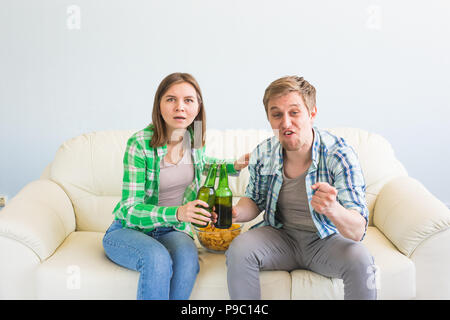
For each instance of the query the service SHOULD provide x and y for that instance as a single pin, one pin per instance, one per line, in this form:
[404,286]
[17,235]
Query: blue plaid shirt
[333,161]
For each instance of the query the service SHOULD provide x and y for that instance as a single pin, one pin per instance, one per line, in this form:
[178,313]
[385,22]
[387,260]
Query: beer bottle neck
[223,179]
[211,178]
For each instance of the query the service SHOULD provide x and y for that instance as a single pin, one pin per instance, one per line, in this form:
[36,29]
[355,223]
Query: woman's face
[179,106]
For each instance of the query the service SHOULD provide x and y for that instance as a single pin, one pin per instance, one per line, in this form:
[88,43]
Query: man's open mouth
[288,132]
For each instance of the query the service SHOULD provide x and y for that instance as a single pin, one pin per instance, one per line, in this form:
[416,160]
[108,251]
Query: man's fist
[324,199]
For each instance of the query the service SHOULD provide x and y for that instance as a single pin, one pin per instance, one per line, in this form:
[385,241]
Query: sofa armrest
[432,261]
[40,217]
[408,214]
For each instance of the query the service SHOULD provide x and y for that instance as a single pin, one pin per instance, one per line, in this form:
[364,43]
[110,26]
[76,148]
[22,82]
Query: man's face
[291,121]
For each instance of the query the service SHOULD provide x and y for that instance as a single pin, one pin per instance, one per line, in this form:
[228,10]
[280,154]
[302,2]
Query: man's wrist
[335,211]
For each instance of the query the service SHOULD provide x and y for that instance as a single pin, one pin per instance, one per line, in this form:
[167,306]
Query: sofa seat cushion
[396,274]
[79,269]
[211,282]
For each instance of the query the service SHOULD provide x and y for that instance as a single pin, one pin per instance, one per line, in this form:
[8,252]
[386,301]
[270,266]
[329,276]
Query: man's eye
[276,115]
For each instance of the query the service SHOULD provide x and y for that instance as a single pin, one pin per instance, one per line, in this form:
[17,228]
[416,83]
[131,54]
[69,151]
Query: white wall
[379,65]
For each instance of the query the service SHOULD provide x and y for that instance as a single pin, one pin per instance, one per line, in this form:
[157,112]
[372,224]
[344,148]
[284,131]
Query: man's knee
[241,250]
[358,258]
[361,273]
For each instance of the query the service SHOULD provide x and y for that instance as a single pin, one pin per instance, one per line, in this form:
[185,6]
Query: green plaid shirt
[138,209]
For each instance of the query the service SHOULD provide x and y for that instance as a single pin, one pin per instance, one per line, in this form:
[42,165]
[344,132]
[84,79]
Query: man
[310,184]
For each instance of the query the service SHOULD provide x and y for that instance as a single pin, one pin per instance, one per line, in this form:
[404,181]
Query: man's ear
[313,113]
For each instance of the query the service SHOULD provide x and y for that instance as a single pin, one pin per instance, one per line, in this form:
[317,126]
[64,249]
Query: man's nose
[286,122]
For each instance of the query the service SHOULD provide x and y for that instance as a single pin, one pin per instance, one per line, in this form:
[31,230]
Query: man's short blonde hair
[289,84]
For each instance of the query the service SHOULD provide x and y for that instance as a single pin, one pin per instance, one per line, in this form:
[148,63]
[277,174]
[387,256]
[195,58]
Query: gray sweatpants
[268,248]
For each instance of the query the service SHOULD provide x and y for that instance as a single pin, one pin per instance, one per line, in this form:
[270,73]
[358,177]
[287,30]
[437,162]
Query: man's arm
[350,223]
[245,210]
[344,201]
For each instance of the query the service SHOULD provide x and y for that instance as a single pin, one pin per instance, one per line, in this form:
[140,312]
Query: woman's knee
[187,259]
[155,259]
[183,251]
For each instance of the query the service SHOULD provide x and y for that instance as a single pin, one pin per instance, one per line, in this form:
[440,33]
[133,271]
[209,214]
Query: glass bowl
[217,240]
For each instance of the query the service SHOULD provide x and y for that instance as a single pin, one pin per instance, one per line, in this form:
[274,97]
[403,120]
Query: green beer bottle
[224,198]
[207,193]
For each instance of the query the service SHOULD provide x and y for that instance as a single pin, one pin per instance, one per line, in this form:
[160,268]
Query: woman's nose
[180,106]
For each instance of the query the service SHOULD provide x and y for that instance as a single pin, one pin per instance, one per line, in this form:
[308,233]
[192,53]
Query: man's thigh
[334,255]
[267,247]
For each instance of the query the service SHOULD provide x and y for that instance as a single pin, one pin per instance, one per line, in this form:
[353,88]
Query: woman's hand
[191,213]
[242,162]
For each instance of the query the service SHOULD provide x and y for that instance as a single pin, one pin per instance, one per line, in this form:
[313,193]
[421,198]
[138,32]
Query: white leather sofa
[51,232]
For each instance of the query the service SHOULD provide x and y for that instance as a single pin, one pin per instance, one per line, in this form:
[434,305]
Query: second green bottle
[224,198]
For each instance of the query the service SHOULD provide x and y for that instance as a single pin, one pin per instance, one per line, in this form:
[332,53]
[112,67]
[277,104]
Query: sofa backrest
[89,167]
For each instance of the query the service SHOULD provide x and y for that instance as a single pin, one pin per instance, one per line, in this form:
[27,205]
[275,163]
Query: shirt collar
[315,154]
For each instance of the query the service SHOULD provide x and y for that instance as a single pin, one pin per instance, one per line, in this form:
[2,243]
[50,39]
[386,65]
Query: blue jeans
[166,259]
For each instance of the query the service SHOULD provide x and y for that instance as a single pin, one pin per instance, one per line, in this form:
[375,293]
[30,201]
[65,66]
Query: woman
[163,163]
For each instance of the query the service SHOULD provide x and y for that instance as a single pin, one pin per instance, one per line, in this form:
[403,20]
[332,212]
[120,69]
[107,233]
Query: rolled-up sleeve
[349,181]
[257,184]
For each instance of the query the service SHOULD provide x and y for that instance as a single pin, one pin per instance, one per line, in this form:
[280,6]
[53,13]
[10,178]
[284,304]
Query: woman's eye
[170,99]
[189,100]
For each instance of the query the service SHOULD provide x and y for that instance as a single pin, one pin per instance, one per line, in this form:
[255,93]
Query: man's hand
[324,199]
[245,210]
[234,215]
[350,223]
[242,162]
